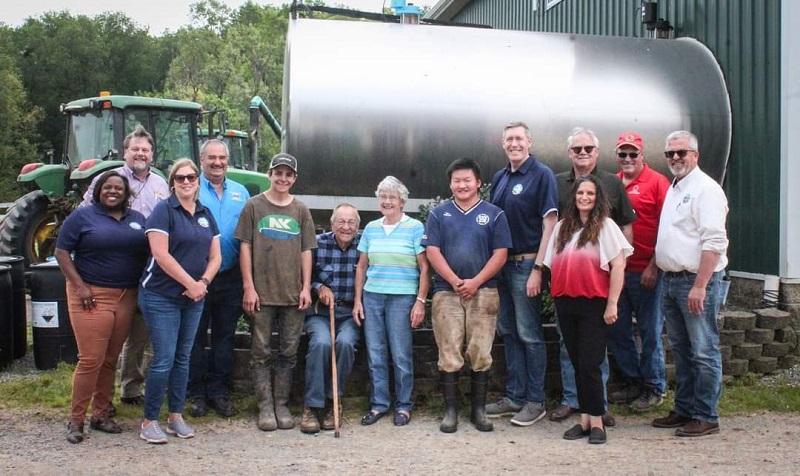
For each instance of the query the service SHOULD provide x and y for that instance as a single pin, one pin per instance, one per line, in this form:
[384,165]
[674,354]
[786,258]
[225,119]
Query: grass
[51,390]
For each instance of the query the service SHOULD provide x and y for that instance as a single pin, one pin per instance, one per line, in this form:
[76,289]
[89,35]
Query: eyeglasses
[681,153]
[351,223]
[191,178]
[391,198]
[578,149]
[625,155]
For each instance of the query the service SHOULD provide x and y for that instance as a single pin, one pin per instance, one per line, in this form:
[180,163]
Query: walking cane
[334,377]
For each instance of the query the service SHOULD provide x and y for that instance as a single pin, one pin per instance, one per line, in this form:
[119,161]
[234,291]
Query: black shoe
[609,420]
[198,407]
[401,418]
[576,433]
[480,383]
[626,394]
[75,432]
[111,412]
[223,405]
[136,401]
[597,436]
[106,425]
[371,417]
[449,383]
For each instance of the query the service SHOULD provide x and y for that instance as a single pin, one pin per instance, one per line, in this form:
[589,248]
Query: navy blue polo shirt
[467,238]
[107,252]
[526,195]
[189,243]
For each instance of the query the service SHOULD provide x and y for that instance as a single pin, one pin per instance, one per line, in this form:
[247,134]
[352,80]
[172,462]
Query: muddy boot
[262,383]
[449,382]
[480,382]
[283,386]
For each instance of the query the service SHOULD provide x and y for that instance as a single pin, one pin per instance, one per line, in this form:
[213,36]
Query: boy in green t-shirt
[276,233]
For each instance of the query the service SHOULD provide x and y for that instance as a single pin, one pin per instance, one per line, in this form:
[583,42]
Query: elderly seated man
[333,279]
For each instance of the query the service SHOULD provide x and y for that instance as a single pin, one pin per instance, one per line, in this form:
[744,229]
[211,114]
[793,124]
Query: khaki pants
[457,322]
[289,322]
[135,358]
[99,333]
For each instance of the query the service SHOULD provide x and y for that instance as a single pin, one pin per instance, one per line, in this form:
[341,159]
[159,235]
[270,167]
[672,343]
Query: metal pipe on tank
[364,100]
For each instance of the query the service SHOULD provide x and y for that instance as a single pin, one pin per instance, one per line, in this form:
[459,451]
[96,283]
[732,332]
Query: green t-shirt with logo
[277,235]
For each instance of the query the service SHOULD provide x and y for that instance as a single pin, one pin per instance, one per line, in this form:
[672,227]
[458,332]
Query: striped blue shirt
[393,265]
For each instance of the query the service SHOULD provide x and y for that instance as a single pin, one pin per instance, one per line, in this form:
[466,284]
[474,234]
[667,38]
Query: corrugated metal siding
[744,36]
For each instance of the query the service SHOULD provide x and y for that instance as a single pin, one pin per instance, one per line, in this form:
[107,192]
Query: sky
[158,15]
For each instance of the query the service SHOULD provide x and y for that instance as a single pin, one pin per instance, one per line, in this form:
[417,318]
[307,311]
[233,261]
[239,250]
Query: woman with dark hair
[185,257]
[101,250]
[587,263]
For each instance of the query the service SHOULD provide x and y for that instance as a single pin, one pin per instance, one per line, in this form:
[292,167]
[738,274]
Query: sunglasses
[191,178]
[578,149]
[681,153]
[625,155]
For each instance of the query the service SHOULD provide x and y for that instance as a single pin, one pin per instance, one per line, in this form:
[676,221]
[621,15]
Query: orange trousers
[99,333]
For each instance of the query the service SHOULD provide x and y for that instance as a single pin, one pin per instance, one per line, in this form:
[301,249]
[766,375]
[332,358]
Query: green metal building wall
[744,36]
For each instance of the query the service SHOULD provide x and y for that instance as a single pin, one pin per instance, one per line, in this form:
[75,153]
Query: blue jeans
[210,372]
[569,389]
[694,339]
[172,323]
[318,358]
[519,324]
[647,368]
[387,331]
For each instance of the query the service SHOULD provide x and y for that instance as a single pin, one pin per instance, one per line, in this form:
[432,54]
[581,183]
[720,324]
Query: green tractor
[96,128]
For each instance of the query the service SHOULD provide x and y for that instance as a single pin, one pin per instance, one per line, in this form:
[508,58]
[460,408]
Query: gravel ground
[33,443]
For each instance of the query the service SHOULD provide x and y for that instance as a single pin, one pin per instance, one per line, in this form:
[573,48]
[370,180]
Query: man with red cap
[644,375]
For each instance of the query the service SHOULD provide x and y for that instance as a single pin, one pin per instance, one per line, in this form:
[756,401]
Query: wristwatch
[537,267]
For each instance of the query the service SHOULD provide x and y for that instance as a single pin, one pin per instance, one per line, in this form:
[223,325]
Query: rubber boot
[449,382]
[283,386]
[480,382]
[262,383]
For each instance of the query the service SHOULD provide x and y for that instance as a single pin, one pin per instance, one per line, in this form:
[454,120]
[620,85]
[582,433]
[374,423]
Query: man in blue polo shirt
[467,241]
[210,372]
[526,190]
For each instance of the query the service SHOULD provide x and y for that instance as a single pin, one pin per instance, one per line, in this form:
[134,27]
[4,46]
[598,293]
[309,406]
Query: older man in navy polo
[335,261]
[527,192]
[210,372]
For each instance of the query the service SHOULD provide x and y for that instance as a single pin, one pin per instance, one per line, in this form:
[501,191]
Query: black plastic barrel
[53,339]
[17,264]
[6,317]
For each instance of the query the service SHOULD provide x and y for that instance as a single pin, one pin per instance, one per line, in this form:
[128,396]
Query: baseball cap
[630,138]
[283,159]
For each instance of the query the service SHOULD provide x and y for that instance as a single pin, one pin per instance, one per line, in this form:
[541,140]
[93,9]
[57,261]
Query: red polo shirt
[646,194]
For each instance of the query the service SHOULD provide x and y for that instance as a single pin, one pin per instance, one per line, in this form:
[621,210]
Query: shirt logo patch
[447,214]
[686,198]
[236,196]
[203,221]
[517,189]
[635,190]
[279,227]
[482,219]
[135,225]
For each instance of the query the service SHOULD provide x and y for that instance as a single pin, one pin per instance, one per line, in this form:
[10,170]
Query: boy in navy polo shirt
[467,241]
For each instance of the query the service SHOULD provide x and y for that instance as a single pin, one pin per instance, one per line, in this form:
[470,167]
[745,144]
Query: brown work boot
[262,383]
[673,420]
[310,421]
[283,387]
[328,423]
[698,428]
[561,413]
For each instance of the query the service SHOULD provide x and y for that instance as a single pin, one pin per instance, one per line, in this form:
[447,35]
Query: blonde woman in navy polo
[185,249]
[101,250]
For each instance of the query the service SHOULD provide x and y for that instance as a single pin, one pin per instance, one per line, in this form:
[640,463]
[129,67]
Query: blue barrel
[20,316]
[6,317]
[53,339]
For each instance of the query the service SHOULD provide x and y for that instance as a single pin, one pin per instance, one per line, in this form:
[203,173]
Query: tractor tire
[30,228]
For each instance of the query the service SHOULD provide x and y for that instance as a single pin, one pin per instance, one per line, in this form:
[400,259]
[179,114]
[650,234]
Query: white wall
[790,141]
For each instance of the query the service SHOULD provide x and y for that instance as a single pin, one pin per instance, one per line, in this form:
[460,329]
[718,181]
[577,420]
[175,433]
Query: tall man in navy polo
[583,148]
[210,372]
[526,190]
